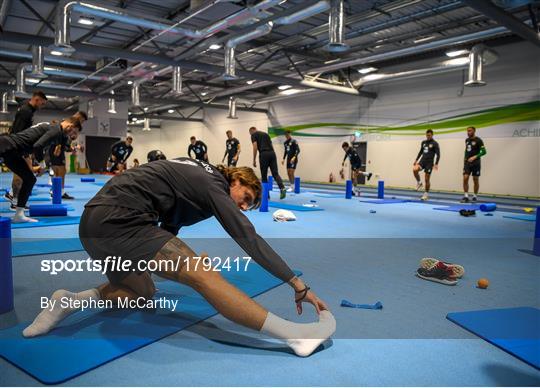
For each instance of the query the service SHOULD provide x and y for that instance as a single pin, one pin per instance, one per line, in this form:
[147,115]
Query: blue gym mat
[524,217]
[89,339]
[514,330]
[383,201]
[45,246]
[31,199]
[288,206]
[457,208]
[49,221]
[330,195]
[48,185]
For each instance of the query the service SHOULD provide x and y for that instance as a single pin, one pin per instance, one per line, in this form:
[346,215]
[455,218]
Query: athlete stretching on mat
[34,140]
[291,154]
[427,159]
[474,150]
[356,165]
[122,220]
[232,150]
[267,158]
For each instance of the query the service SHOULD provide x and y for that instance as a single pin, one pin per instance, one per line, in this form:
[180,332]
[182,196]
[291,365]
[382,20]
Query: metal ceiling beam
[505,19]
[163,60]
[167,118]
[155,101]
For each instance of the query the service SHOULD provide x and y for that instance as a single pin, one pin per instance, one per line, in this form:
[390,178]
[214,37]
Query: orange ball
[483,283]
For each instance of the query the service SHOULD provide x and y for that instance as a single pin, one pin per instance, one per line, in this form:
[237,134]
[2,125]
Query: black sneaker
[282,193]
[369,176]
[67,196]
[464,200]
[467,213]
[439,273]
[8,196]
[474,199]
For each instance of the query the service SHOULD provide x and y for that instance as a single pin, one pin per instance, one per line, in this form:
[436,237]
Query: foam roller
[57,190]
[6,272]
[264,198]
[47,210]
[488,207]
[88,179]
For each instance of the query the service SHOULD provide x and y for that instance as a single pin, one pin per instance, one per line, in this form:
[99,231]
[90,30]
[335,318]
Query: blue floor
[345,252]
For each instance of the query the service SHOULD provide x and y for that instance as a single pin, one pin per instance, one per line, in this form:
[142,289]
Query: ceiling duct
[38,62]
[230,64]
[146,124]
[314,9]
[90,110]
[62,39]
[336,20]
[11,98]
[4,107]
[232,108]
[112,104]
[177,80]
[478,56]
[135,94]
[46,58]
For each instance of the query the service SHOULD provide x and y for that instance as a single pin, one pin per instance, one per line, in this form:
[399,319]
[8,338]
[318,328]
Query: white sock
[19,216]
[466,195]
[302,338]
[47,319]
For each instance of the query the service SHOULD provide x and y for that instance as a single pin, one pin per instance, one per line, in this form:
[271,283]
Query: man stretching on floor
[356,165]
[122,221]
[120,153]
[267,158]
[34,140]
[23,120]
[474,150]
[291,154]
[427,159]
[232,150]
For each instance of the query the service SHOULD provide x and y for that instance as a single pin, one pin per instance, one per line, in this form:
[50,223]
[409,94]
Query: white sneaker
[419,186]
[425,197]
[290,190]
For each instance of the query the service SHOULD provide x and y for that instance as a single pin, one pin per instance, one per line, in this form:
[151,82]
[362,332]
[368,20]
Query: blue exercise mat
[523,217]
[31,199]
[48,185]
[48,221]
[514,330]
[383,201]
[298,208]
[29,247]
[322,195]
[457,208]
[89,339]
[99,183]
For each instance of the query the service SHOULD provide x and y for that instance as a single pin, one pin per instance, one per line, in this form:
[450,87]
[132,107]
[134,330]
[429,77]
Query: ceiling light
[134,118]
[204,93]
[372,77]
[456,53]
[130,82]
[145,108]
[424,39]
[86,21]
[288,92]
[250,82]
[57,53]
[32,80]
[284,87]
[457,61]
[215,46]
[367,70]
[170,111]
[153,66]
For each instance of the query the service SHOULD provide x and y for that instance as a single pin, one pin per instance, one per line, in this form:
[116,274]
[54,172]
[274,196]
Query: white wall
[512,165]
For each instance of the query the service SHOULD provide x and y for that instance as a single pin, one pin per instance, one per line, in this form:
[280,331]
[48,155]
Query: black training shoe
[369,176]
[464,200]
[67,196]
[282,193]
[13,206]
[8,196]
[474,199]
[467,213]
[440,273]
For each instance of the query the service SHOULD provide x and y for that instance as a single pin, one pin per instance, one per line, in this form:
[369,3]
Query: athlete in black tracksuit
[120,152]
[428,158]
[292,149]
[33,140]
[267,158]
[199,149]
[232,150]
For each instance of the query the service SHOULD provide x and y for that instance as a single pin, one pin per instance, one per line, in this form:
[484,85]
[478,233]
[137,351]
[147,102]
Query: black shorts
[427,166]
[231,161]
[291,164]
[57,160]
[356,166]
[472,168]
[117,231]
